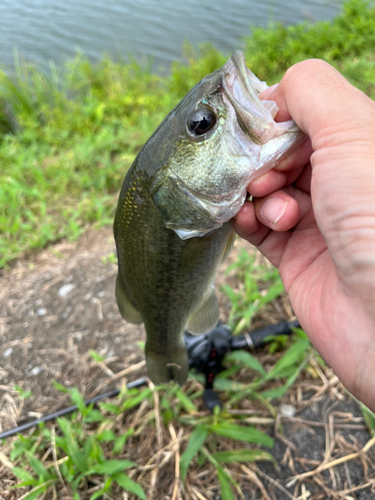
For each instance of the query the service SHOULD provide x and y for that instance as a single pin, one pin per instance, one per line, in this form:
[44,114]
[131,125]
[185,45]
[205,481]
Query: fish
[172,224]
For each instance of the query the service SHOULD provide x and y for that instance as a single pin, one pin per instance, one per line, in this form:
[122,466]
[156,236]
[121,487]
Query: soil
[47,334]
[59,305]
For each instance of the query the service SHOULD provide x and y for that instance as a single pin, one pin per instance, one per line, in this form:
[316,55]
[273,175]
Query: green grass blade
[129,485]
[107,435]
[226,490]
[93,415]
[107,485]
[78,400]
[111,408]
[246,359]
[111,467]
[38,467]
[224,384]
[289,358]
[35,492]
[38,490]
[186,401]
[242,455]
[248,434]
[280,391]
[96,357]
[24,475]
[197,438]
[369,418]
[60,387]
[99,493]
[77,456]
[121,440]
[135,400]
[274,291]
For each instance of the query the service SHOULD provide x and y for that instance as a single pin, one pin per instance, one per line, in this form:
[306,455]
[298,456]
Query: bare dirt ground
[54,310]
[58,305]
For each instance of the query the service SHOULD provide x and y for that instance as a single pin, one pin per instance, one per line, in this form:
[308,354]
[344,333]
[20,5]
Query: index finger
[320,100]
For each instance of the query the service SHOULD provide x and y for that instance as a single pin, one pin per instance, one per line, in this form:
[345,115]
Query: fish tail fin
[164,368]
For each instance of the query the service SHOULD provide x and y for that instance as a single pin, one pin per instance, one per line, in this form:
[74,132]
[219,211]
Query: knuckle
[306,69]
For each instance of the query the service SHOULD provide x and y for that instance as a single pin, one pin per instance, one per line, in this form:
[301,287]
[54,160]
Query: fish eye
[201,121]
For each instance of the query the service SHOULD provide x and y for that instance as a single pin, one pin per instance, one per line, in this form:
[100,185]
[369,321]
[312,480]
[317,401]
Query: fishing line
[65,411]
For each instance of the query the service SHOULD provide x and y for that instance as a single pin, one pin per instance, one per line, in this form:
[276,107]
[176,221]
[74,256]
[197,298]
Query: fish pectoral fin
[206,317]
[127,310]
[228,246]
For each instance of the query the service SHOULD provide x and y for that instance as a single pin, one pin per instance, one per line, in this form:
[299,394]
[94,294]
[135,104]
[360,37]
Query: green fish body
[172,226]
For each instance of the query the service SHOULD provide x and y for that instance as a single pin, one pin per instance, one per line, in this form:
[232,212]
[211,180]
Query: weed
[78,458]
[22,394]
[87,456]
[99,449]
[258,285]
[110,258]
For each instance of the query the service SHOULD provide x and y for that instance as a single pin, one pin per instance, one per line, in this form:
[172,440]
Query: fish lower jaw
[185,234]
[218,210]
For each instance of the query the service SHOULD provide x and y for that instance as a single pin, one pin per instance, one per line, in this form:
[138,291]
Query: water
[44,30]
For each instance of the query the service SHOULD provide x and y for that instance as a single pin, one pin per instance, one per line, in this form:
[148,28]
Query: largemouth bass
[172,226]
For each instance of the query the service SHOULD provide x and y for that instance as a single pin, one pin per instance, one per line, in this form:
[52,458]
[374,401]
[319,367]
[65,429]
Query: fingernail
[266,93]
[273,209]
[273,87]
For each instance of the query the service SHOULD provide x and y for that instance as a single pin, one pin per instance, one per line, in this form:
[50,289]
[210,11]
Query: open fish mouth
[242,88]
[241,84]
[255,117]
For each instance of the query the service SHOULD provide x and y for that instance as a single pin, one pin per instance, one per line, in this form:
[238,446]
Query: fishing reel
[206,352]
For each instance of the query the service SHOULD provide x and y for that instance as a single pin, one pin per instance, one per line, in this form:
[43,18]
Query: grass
[253,291]
[161,441]
[67,138]
[98,451]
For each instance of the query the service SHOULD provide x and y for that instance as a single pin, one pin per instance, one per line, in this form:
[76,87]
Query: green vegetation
[67,139]
[128,443]
[254,291]
[98,451]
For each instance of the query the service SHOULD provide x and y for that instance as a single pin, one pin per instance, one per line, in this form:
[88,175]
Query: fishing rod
[206,353]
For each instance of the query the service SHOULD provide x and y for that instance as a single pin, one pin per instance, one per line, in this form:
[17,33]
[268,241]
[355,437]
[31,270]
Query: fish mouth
[242,88]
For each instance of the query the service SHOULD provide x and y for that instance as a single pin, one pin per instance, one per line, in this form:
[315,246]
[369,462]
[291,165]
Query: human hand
[315,220]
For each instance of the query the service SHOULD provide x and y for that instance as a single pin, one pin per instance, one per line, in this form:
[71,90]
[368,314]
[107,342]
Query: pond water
[44,30]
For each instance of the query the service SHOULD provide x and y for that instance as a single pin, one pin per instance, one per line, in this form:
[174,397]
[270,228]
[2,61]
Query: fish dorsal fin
[206,316]
[229,245]
[127,310]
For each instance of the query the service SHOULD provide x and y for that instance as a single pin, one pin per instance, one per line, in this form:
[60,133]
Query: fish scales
[164,276]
